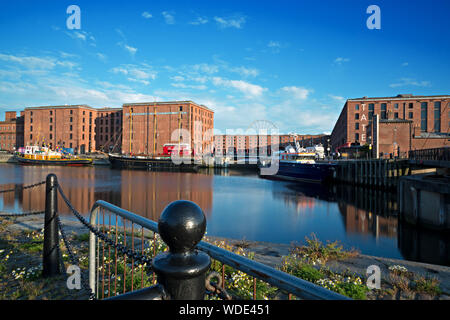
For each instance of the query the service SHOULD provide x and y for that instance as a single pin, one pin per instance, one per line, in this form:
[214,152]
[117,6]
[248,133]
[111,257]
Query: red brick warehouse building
[406,121]
[108,129]
[68,126]
[147,126]
[11,131]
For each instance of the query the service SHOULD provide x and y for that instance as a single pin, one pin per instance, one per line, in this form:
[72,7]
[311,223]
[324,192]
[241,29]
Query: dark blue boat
[309,172]
[302,166]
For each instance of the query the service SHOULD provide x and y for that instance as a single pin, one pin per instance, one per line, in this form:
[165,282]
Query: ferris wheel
[263,127]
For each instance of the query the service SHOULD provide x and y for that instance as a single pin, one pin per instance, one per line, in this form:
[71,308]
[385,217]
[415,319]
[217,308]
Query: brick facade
[71,126]
[148,126]
[11,131]
[429,119]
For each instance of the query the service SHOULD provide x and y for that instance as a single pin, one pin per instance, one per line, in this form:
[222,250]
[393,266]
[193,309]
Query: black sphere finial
[182,225]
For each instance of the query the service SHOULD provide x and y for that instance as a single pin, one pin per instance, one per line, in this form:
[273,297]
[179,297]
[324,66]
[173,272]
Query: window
[51,136]
[411,105]
[71,119]
[70,127]
[356,125]
[71,111]
[51,112]
[83,128]
[51,120]
[371,110]
[356,136]
[437,116]
[395,115]
[31,120]
[31,137]
[423,116]
[383,111]
[411,115]
[396,106]
[82,136]
[356,106]
[51,128]
[356,116]
[31,128]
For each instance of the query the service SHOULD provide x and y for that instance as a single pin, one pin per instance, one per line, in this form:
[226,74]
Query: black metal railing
[435,154]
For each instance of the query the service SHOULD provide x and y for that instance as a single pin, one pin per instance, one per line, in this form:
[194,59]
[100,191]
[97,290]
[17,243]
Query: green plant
[427,285]
[316,252]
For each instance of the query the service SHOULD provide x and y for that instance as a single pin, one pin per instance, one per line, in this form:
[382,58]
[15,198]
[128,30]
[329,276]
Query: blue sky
[290,62]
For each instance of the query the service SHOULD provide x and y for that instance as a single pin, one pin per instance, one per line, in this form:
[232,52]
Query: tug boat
[35,155]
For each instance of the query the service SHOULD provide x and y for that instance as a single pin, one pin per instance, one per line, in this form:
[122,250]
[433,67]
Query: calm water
[240,206]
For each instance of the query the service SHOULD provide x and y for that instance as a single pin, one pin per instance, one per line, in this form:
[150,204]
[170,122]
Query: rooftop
[166,102]
[80,106]
[408,96]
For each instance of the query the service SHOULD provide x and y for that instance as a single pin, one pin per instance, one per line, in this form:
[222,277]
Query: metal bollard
[182,270]
[51,263]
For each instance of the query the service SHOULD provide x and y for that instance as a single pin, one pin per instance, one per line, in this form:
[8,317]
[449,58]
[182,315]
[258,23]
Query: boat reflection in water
[239,205]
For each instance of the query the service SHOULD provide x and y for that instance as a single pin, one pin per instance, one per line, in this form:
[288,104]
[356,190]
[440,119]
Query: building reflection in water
[148,195]
[367,211]
[142,192]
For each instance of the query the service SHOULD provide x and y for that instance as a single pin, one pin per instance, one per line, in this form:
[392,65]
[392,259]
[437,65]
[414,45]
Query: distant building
[405,122]
[11,131]
[248,144]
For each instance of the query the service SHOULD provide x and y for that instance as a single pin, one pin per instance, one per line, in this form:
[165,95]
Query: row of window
[423,115]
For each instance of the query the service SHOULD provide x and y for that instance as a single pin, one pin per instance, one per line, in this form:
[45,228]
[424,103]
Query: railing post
[51,263]
[182,270]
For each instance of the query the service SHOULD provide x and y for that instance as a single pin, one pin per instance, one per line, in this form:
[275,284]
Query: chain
[23,188]
[217,288]
[99,234]
[73,258]
[23,214]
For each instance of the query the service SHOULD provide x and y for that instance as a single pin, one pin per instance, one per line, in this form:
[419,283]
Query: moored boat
[35,155]
[164,163]
[301,165]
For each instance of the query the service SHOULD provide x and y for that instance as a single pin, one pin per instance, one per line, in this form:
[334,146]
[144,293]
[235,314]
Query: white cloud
[131,50]
[405,64]
[250,90]
[188,86]
[274,44]
[37,63]
[337,98]
[101,56]
[297,92]
[168,17]
[404,82]
[199,21]
[146,15]
[245,72]
[236,21]
[136,73]
[340,60]
[205,68]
